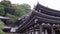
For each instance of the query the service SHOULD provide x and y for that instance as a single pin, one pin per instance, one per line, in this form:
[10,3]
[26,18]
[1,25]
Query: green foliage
[1,10]
[1,32]
[6,3]
[26,7]
[21,9]
[13,10]
[13,18]
[1,26]
[7,7]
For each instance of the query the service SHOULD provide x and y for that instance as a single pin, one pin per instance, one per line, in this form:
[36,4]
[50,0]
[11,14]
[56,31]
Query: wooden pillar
[21,33]
[28,31]
[36,32]
[46,31]
[40,29]
[52,30]
[33,30]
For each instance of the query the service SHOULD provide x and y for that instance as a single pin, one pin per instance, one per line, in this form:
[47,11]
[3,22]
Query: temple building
[41,20]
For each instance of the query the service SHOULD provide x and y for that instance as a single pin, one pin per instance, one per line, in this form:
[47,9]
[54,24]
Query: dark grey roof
[1,17]
[42,16]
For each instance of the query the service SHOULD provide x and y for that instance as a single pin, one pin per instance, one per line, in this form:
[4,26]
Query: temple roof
[1,17]
[43,14]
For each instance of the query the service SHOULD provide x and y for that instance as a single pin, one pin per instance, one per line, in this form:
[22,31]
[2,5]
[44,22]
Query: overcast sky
[54,4]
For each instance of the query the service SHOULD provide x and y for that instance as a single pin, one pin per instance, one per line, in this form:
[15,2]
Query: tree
[21,9]
[7,7]
[1,26]
[27,7]
[1,10]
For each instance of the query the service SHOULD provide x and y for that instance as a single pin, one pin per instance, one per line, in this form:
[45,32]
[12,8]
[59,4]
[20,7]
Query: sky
[54,4]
